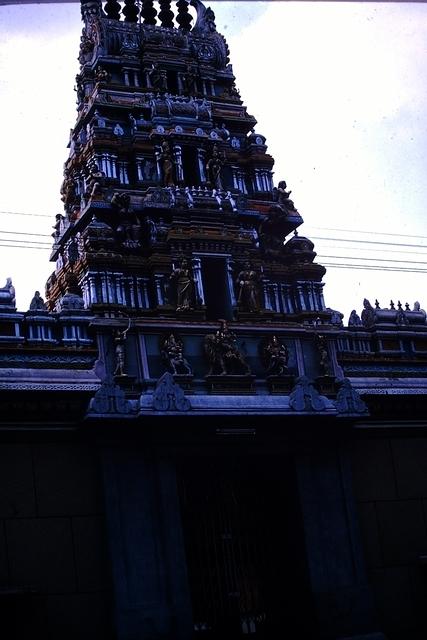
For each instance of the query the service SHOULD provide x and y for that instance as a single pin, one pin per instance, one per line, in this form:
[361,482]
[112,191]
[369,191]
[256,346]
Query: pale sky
[337,89]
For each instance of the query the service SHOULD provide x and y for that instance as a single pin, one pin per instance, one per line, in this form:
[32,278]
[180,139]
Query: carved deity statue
[354,319]
[223,353]
[102,75]
[190,81]
[248,289]
[368,314]
[120,351]
[7,293]
[182,280]
[128,228]
[167,165]
[275,357]
[158,78]
[96,181]
[37,303]
[325,364]
[282,197]
[173,356]
[214,167]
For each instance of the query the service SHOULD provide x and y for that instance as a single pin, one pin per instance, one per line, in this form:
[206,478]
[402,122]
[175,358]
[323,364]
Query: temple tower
[165,166]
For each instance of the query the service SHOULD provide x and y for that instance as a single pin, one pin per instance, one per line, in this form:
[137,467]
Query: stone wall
[53,562]
[390,483]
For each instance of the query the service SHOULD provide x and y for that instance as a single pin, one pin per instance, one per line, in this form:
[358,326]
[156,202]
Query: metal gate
[243,548]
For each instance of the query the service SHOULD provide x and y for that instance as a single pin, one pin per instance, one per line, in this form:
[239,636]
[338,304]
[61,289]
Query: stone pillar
[230,278]
[131,292]
[275,288]
[158,157]
[197,275]
[139,293]
[235,174]
[117,295]
[201,159]
[159,289]
[300,295]
[266,295]
[342,597]
[92,288]
[319,290]
[144,284]
[152,599]
[140,169]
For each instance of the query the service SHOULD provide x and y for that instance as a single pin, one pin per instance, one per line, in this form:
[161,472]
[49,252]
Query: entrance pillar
[152,599]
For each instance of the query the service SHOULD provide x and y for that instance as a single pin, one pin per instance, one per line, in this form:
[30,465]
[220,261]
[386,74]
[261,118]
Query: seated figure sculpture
[7,294]
[37,303]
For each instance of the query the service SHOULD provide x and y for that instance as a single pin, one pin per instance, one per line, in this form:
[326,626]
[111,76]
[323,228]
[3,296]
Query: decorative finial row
[130,10]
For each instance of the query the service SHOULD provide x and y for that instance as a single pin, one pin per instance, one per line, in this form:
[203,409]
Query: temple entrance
[215,288]
[244,549]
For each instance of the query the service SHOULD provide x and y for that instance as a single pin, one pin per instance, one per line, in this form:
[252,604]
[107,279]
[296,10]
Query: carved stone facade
[185,394]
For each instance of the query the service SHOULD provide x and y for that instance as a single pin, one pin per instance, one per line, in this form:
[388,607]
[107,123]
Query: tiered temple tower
[165,166]
[181,398]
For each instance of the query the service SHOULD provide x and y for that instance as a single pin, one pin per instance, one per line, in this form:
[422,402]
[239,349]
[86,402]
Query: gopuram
[192,445]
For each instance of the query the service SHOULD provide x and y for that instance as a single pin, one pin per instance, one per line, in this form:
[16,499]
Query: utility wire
[21,213]
[411,253]
[371,233]
[364,267]
[377,259]
[25,233]
[389,244]
[14,246]
[46,244]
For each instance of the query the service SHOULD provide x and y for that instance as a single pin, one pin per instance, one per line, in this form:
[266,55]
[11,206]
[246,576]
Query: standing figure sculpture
[167,165]
[119,351]
[368,315]
[275,357]
[248,289]
[182,279]
[214,167]
[325,364]
[172,353]
[128,229]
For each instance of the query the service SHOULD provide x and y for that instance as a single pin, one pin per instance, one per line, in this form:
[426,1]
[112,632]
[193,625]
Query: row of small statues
[368,315]
[223,354]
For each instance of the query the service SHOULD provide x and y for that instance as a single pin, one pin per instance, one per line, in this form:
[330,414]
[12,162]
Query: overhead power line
[14,246]
[365,267]
[25,233]
[389,244]
[378,259]
[370,233]
[22,213]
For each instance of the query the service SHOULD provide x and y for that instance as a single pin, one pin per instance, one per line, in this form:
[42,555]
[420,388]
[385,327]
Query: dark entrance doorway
[244,549]
[215,288]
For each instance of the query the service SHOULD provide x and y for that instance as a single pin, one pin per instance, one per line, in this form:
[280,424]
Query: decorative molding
[348,400]
[109,400]
[168,396]
[304,397]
